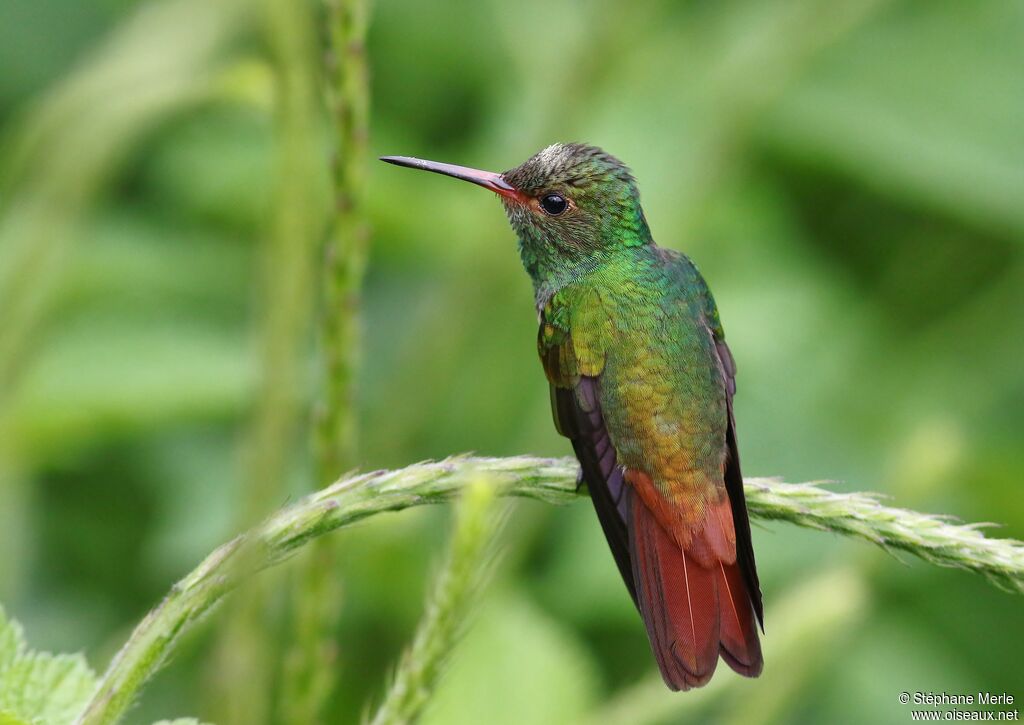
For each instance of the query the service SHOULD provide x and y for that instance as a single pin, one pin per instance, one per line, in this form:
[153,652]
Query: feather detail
[578,416]
[678,600]
[642,384]
[691,591]
[740,646]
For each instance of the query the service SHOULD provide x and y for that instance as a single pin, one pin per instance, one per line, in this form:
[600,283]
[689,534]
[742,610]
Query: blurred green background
[849,177]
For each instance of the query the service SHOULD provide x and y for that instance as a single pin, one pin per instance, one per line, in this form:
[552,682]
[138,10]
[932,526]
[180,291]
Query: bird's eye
[554,204]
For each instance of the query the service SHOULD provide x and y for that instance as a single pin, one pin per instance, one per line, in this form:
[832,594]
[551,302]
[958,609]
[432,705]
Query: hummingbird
[642,384]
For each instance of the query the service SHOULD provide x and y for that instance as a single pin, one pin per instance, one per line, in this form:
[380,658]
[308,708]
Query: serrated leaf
[48,688]
[38,687]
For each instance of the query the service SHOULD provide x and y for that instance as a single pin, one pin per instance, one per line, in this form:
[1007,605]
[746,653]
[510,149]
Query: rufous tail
[695,606]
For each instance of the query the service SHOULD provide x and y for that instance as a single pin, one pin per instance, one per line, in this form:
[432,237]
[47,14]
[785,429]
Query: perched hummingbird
[642,384]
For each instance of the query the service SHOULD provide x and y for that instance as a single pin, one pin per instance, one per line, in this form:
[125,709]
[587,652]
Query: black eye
[554,204]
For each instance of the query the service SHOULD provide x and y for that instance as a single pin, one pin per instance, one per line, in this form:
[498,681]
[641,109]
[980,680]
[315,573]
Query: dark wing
[734,480]
[577,415]
[576,408]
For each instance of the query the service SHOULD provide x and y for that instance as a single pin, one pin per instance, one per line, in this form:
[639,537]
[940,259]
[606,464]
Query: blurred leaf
[516,665]
[40,38]
[599,596]
[216,166]
[924,104]
[133,266]
[96,382]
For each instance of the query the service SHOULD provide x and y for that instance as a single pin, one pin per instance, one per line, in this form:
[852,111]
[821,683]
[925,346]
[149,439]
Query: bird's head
[573,206]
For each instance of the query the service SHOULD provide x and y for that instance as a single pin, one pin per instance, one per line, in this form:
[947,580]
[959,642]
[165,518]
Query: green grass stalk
[478,521]
[310,663]
[935,539]
[245,665]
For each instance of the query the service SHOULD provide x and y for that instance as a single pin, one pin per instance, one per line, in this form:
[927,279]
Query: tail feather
[693,612]
[678,601]
[740,645]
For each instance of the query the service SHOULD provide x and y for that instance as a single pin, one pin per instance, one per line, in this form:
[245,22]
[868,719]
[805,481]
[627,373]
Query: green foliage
[540,672]
[846,175]
[361,496]
[448,607]
[39,688]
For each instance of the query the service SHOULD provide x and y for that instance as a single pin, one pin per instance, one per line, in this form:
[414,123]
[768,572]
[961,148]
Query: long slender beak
[486,179]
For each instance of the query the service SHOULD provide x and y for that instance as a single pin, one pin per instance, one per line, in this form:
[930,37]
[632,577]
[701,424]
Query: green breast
[641,325]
